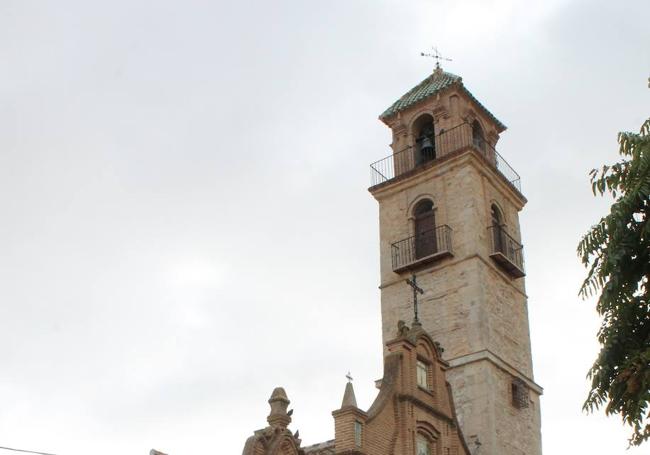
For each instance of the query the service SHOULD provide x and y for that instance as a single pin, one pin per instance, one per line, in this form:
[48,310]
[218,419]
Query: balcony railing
[421,249]
[506,251]
[460,137]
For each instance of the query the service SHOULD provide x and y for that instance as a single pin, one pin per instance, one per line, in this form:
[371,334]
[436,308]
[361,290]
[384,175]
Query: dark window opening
[497,229]
[519,393]
[426,242]
[425,144]
[478,139]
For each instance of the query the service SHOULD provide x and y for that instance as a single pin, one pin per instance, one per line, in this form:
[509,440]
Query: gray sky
[185,221]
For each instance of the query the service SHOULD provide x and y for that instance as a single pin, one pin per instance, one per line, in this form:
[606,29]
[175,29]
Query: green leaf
[616,253]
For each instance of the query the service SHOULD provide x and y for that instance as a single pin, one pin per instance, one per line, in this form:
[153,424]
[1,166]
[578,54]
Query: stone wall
[472,306]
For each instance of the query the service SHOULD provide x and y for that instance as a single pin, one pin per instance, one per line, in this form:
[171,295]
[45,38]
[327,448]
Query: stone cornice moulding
[455,261]
[497,361]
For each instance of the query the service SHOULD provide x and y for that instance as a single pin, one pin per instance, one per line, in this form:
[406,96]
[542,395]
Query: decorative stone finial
[279,418]
[348,396]
[402,329]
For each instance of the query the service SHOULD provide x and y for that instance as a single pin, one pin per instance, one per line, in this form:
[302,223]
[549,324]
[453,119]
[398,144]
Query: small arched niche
[424,134]
[453,105]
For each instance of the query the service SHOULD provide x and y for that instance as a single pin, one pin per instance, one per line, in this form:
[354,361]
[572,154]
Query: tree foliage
[616,252]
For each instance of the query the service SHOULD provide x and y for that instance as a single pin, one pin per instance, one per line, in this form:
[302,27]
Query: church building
[458,379]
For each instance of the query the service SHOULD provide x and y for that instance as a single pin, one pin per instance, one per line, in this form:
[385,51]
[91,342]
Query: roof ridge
[430,85]
[324,448]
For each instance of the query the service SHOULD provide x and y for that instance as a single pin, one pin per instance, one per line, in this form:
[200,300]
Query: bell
[427,146]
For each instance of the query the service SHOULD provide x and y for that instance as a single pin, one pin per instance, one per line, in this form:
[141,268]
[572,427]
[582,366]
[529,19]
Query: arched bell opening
[425,144]
[478,138]
[426,242]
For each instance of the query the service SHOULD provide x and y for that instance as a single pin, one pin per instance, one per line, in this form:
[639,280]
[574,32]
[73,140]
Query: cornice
[487,355]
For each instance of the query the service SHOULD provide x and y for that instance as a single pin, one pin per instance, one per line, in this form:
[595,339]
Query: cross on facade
[416,289]
[349,377]
[436,56]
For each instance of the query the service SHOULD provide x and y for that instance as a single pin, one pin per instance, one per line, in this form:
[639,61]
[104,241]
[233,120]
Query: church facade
[459,380]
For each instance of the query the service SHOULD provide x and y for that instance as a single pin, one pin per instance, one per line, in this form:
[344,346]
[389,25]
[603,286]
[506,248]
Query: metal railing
[447,141]
[422,246]
[504,243]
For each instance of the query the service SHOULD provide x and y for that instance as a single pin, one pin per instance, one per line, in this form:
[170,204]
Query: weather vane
[436,56]
[349,377]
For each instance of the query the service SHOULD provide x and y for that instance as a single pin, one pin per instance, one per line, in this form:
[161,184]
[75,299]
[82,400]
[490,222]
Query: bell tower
[449,213]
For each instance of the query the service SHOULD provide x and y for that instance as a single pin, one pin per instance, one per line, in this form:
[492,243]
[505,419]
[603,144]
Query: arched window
[425,144]
[425,366]
[427,439]
[426,243]
[497,229]
[478,138]
[423,445]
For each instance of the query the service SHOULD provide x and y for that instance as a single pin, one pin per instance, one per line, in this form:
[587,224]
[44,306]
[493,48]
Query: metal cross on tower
[416,289]
[436,55]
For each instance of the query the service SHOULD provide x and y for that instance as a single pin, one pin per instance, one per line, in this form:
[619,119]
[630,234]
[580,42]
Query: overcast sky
[185,221]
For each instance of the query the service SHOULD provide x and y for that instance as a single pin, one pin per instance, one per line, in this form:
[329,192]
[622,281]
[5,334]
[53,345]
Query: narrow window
[422,446]
[357,433]
[422,374]
[519,393]
[498,240]
[477,136]
[426,242]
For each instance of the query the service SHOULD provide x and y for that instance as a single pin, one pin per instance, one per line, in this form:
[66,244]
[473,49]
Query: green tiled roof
[436,82]
[430,86]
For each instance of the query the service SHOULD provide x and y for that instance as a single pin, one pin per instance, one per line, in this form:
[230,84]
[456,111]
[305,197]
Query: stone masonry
[460,380]
[471,305]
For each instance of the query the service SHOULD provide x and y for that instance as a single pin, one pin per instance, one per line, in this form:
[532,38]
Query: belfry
[459,379]
[449,212]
